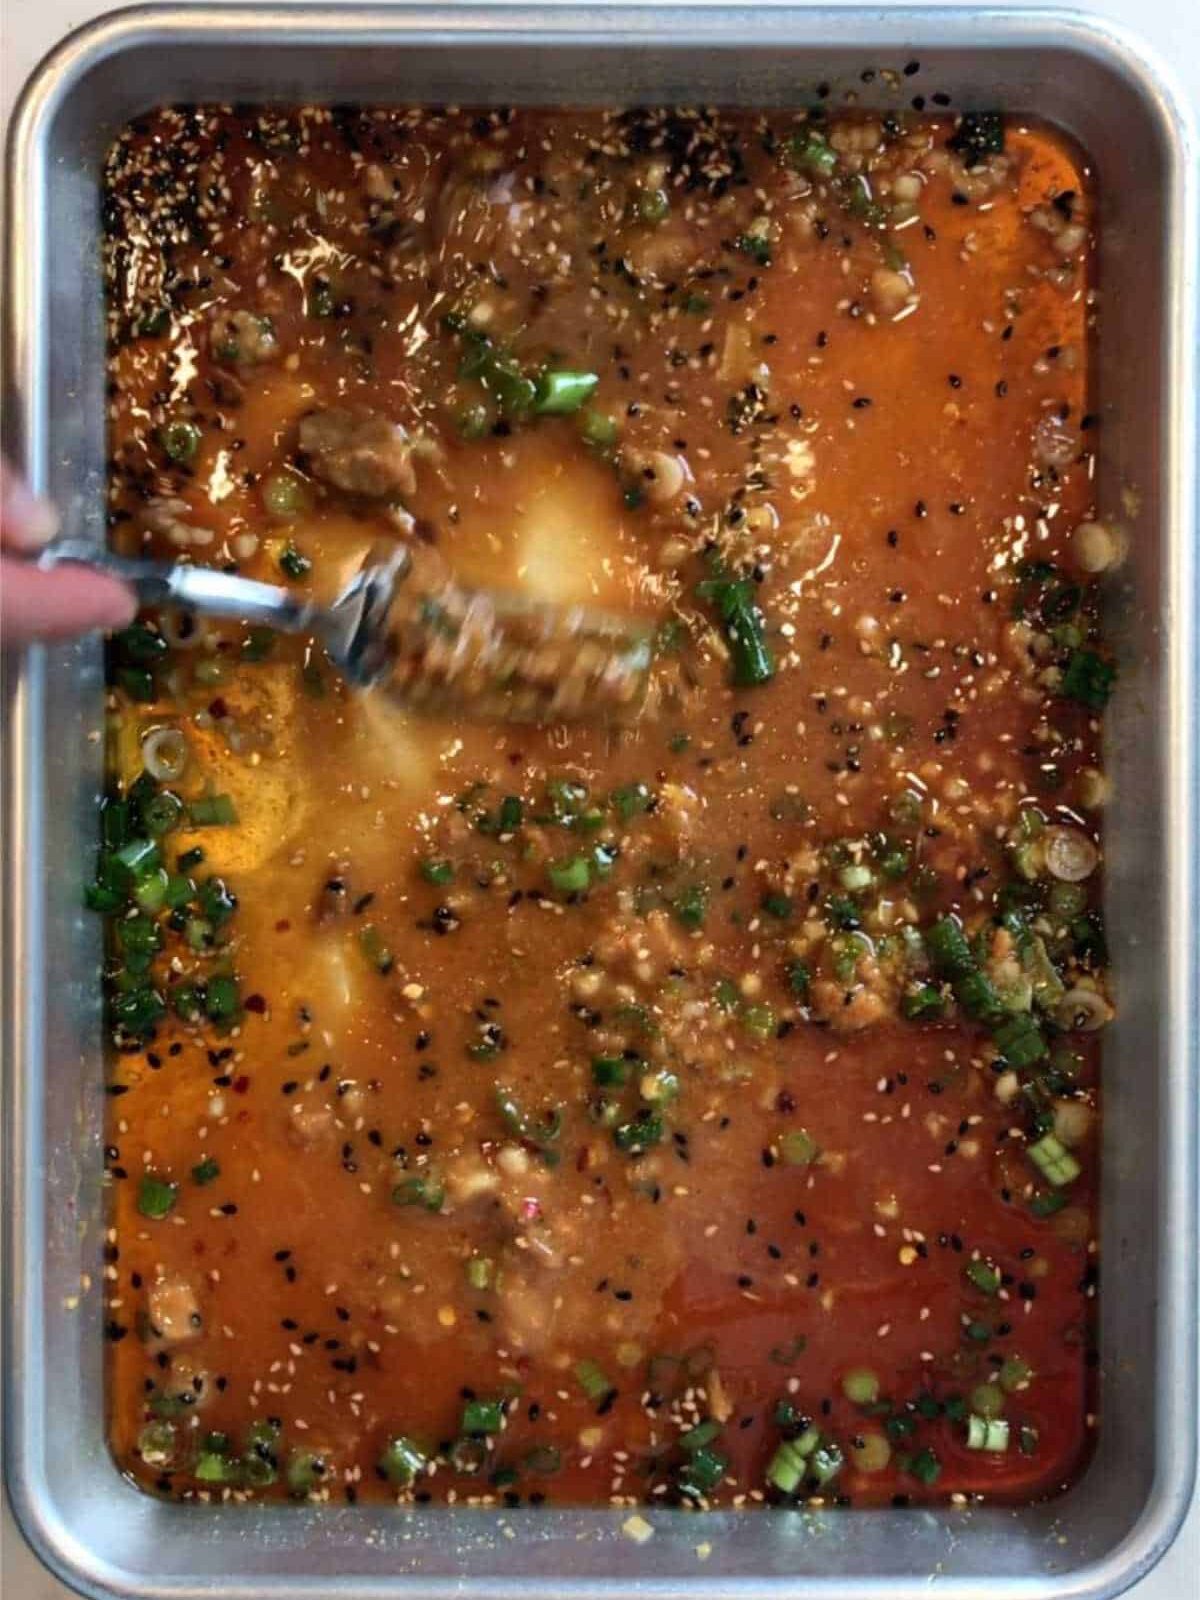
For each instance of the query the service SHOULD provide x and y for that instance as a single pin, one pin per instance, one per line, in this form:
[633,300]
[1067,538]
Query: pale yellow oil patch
[330,975]
[271,410]
[544,520]
[569,545]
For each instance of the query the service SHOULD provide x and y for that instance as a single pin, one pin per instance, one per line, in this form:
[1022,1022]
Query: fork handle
[199,589]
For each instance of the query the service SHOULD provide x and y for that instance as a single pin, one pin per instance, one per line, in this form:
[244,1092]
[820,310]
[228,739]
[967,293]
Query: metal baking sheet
[106,1537]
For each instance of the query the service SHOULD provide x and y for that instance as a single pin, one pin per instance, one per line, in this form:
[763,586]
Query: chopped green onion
[798,1148]
[593,1380]
[826,1462]
[634,1137]
[653,205]
[845,914]
[1054,1161]
[690,906]
[216,901]
[1014,1375]
[983,1275]
[987,1433]
[401,1461]
[539,1131]
[138,683]
[222,999]
[811,152]
[949,950]
[305,1471]
[1020,1041]
[923,1004]
[855,877]
[435,870]
[987,1400]
[285,498]
[559,393]
[1089,679]
[925,1467]
[511,813]
[180,441]
[156,1444]
[187,1001]
[482,1416]
[611,1071]
[701,1473]
[544,1459]
[702,1434]
[213,1466]
[150,892]
[137,859]
[787,1467]
[479,1272]
[212,811]
[137,1012]
[293,563]
[978,996]
[757,246]
[759,1020]
[799,978]
[260,1460]
[570,876]
[375,948]
[138,936]
[156,1197]
[162,812]
[744,628]
[139,645]
[660,1088]
[861,1386]
[598,429]
[777,904]
[419,1191]
[631,800]
[205,1171]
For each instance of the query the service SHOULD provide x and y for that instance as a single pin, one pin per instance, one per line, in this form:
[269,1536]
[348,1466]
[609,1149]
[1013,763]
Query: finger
[59,604]
[26,522]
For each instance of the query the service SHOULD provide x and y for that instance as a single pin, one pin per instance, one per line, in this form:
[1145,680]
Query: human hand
[58,604]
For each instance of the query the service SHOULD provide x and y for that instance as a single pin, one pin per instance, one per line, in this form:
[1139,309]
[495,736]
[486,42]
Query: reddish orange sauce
[843,364]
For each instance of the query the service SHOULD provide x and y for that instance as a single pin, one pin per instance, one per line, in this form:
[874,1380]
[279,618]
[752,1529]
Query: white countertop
[30,27]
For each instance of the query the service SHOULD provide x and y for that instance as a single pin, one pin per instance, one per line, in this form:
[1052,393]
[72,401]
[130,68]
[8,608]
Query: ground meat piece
[360,452]
[243,336]
[848,1008]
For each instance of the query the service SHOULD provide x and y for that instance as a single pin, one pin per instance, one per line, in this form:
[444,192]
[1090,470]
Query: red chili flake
[240,1085]
[531,1208]
[255,1003]
[218,708]
[283,925]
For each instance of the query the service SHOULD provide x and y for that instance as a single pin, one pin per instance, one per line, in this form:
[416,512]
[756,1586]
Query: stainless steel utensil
[85,1521]
[353,629]
[500,656]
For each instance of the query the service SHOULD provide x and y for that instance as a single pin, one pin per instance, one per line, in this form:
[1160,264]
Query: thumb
[58,604]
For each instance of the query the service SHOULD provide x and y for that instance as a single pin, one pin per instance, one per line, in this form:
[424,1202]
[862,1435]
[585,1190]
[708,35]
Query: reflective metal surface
[96,1530]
